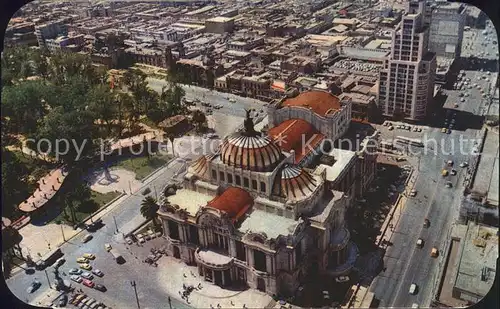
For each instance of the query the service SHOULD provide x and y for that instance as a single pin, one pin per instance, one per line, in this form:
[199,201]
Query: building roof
[290,134]
[321,102]
[294,183]
[200,167]
[479,252]
[234,201]
[270,224]
[255,153]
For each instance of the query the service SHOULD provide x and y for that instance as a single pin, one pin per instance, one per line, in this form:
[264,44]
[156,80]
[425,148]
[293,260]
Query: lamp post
[116,225]
[133,284]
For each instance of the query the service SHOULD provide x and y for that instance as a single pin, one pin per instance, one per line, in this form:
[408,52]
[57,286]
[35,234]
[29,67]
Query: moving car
[427,223]
[88,283]
[449,185]
[413,289]
[444,172]
[453,172]
[413,193]
[76,278]
[443,130]
[97,272]
[34,286]
[107,247]
[85,266]
[414,305]
[89,256]
[450,163]
[434,252]
[100,287]
[87,238]
[464,164]
[420,242]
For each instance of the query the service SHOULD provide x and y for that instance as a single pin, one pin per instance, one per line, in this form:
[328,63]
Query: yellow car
[443,130]
[85,266]
[82,260]
[107,247]
[89,256]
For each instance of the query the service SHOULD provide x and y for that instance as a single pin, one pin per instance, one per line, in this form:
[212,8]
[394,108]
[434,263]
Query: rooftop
[478,256]
[342,159]
[190,200]
[234,201]
[272,225]
[321,102]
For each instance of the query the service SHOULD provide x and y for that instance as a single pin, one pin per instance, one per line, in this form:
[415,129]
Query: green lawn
[96,202]
[143,166]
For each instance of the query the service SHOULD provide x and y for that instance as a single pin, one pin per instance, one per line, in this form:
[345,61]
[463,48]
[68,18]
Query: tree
[149,209]
[199,119]
[23,105]
[14,187]
[170,135]
[100,102]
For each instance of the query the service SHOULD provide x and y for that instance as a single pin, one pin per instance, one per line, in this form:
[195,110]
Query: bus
[117,256]
[409,141]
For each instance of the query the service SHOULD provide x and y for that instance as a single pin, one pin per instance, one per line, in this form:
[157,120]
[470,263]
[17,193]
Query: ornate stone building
[249,215]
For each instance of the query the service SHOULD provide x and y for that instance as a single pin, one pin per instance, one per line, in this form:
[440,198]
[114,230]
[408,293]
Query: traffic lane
[400,295]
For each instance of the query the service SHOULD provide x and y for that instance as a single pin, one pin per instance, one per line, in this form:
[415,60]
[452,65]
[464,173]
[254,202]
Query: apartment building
[49,30]
[407,80]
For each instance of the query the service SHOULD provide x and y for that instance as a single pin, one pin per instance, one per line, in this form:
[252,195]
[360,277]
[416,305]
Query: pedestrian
[232,304]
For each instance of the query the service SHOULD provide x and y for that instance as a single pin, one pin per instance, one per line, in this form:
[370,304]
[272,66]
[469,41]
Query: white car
[76,278]
[87,275]
[464,164]
[341,279]
[413,289]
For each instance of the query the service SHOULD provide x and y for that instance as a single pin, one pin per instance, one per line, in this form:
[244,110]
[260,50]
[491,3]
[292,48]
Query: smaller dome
[292,182]
[200,167]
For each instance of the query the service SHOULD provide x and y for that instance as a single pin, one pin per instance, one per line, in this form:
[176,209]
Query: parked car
[413,193]
[449,184]
[89,256]
[464,164]
[88,283]
[434,252]
[63,300]
[76,278]
[341,279]
[34,286]
[82,260]
[75,271]
[85,266]
[97,272]
[87,275]
[100,287]
[60,261]
[107,247]
[427,223]
[453,172]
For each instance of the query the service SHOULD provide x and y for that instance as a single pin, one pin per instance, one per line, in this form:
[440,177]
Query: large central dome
[249,150]
[253,153]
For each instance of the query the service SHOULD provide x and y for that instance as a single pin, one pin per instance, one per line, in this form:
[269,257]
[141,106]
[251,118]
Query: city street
[214,97]
[404,262]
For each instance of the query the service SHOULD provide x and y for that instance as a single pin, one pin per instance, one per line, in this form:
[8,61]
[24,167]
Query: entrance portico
[214,267]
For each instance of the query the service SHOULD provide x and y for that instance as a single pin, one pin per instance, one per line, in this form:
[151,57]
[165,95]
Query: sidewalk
[170,275]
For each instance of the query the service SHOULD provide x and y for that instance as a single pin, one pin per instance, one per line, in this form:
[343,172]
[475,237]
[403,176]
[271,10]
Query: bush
[146,191]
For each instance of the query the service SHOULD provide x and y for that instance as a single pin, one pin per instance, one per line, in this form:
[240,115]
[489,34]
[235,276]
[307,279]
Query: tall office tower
[447,29]
[407,81]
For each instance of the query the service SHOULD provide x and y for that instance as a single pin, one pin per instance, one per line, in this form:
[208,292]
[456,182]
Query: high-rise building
[407,80]
[50,30]
[447,29]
